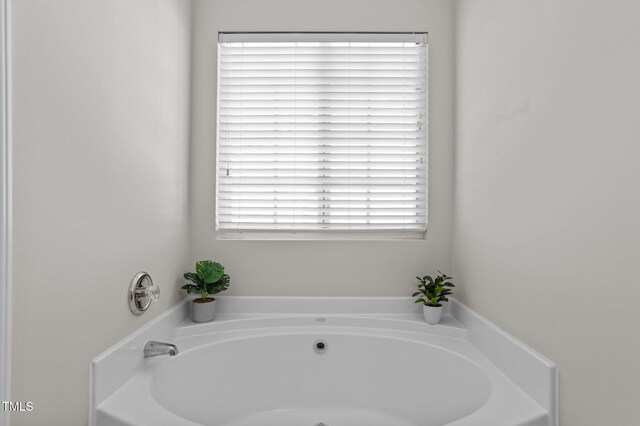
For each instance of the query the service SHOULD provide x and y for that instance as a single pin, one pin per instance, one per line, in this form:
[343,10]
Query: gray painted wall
[547,189]
[100,155]
[327,268]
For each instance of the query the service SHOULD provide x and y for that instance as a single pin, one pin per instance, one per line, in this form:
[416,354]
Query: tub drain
[320,346]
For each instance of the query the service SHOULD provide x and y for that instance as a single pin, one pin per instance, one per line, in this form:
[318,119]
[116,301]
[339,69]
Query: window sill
[321,236]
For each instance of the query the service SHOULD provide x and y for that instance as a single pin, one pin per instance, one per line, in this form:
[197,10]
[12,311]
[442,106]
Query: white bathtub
[257,370]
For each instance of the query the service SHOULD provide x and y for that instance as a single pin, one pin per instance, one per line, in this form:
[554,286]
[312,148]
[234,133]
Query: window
[322,135]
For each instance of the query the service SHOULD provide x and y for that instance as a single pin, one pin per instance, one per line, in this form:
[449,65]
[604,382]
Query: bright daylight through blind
[322,133]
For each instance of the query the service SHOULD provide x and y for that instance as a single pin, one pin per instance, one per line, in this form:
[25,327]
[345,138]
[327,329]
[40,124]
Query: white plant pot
[432,314]
[203,312]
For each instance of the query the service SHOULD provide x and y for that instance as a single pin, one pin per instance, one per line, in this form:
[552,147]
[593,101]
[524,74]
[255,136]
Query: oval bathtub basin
[354,379]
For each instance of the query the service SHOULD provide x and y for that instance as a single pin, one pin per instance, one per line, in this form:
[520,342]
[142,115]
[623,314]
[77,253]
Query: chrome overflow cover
[320,346]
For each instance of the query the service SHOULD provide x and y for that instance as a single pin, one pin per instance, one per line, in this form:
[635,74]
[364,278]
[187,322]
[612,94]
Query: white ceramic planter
[203,312]
[432,314]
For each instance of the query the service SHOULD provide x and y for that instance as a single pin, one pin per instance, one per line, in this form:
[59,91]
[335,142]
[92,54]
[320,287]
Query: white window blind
[322,134]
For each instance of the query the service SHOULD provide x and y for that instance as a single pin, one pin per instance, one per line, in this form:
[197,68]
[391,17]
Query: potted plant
[208,279]
[433,292]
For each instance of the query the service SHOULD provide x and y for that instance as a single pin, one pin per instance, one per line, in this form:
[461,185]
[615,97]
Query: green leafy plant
[433,291]
[209,278]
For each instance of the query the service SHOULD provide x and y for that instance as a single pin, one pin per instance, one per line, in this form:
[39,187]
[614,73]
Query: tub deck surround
[486,376]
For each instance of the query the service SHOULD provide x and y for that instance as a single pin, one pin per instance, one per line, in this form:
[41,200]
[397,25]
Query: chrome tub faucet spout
[152,348]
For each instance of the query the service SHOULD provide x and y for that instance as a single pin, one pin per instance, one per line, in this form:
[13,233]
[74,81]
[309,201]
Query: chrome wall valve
[142,291]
